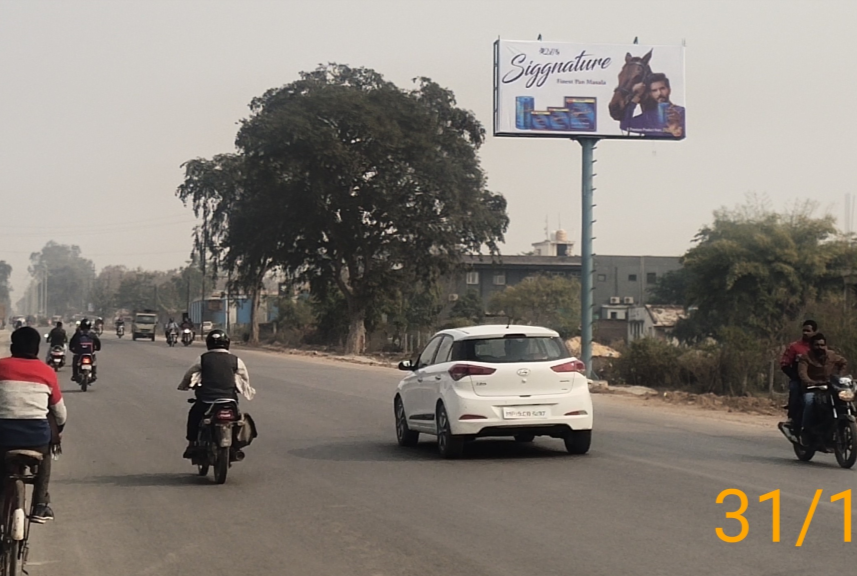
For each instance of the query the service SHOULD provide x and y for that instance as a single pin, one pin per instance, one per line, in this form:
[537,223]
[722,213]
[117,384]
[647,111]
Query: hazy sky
[100,102]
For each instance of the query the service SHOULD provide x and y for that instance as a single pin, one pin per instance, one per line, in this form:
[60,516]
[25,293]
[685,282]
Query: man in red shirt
[28,393]
[789,365]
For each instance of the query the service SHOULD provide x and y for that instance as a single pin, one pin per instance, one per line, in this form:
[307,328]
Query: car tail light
[226,414]
[459,371]
[577,413]
[573,366]
[472,417]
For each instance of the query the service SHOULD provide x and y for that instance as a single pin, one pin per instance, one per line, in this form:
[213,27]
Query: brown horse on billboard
[635,71]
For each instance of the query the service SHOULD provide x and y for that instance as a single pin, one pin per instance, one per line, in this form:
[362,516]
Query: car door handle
[437,377]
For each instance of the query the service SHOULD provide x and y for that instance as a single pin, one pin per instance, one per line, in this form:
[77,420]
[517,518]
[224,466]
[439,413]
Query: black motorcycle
[187,337]
[120,330]
[835,427]
[172,338]
[85,364]
[218,443]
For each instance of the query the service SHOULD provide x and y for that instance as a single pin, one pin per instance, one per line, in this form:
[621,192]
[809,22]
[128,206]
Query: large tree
[69,276]
[758,269]
[363,186]
[226,196]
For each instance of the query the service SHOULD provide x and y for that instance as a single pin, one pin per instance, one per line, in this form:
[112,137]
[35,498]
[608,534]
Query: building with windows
[620,282]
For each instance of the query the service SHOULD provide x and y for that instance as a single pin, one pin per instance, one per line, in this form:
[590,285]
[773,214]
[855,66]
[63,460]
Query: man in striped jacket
[28,393]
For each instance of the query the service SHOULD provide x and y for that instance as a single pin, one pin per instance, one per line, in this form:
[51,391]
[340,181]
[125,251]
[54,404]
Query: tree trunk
[356,341]
[254,315]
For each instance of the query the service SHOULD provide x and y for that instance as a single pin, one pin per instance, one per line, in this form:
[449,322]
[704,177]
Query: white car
[499,380]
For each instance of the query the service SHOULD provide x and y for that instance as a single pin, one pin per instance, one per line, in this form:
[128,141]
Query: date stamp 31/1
[774,497]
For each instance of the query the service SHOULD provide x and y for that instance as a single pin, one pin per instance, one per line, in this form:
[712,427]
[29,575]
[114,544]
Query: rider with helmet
[216,375]
[84,341]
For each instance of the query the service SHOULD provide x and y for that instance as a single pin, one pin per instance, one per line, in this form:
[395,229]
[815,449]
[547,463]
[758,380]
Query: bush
[649,362]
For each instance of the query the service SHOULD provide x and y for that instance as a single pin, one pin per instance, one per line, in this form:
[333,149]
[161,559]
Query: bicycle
[21,469]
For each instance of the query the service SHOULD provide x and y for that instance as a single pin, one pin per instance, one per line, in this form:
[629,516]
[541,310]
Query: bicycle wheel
[13,532]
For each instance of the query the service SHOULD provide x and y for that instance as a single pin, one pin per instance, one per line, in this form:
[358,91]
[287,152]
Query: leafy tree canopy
[347,181]
[550,301]
[757,269]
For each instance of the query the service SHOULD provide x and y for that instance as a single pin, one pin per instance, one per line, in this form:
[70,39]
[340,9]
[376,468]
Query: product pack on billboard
[595,90]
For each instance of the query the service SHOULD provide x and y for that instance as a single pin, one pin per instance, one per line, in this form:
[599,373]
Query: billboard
[558,89]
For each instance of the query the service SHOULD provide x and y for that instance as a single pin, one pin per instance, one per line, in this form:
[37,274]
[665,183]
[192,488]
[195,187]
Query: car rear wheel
[448,446]
[578,441]
[404,435]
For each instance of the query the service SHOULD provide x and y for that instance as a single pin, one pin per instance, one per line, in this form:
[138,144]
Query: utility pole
[586,285]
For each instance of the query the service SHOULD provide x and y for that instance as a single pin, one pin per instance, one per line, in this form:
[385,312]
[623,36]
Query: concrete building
[625,281]
[621,282]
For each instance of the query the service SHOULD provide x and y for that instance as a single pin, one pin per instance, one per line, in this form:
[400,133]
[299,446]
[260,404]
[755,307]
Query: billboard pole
[586,288]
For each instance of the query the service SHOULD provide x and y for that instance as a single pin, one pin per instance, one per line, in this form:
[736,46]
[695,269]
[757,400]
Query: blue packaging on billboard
[662,112]
[582,113]
[523,112]
[541,120]
[559,119]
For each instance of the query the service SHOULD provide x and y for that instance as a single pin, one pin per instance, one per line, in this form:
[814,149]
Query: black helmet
[217,339]
[85,324]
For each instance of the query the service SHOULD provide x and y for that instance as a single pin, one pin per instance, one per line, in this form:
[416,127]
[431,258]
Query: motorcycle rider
[119,322]
[99,323]
[171,327]
[84,342]
[217,374]
[29,392]
[814,369]
[57,337]
[789,366]
[187,324]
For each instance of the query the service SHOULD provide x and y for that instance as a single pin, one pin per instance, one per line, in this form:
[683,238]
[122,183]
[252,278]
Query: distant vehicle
[479,381]
[144,324]
[207,327]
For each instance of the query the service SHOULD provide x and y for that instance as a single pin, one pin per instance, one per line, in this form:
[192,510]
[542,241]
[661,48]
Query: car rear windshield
[510,349]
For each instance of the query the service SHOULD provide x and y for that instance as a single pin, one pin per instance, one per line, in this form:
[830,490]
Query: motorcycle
[172,338]
[99,329]
[187,337]
[56,358]
[218,443]
[835,426]
[84,371]
[120,331]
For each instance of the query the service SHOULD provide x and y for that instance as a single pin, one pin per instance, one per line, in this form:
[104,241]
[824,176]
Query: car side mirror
[406,365]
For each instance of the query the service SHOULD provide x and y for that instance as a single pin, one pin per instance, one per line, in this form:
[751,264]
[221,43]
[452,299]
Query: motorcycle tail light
[846,395]
[225,415]
[86,360]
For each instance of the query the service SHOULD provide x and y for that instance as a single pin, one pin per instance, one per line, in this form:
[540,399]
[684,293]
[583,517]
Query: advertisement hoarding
[559,89]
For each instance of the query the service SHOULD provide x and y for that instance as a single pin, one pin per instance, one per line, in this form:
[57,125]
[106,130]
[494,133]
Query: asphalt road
[325,490]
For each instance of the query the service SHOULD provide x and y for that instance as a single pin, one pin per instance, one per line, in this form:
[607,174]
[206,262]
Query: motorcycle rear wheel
[84,383]
[221,465]
[846,452]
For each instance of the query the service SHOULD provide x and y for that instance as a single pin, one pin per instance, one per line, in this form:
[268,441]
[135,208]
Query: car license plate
[525,413]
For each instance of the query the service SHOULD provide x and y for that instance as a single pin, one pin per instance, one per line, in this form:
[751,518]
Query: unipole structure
[586,287]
